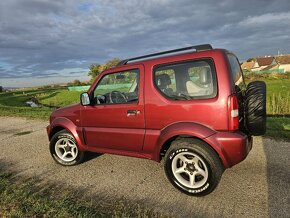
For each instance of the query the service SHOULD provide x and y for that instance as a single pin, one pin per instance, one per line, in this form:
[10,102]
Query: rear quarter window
[188,80]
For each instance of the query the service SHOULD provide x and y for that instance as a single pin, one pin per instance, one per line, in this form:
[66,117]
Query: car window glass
[187,80]
[236,71]
[118,88]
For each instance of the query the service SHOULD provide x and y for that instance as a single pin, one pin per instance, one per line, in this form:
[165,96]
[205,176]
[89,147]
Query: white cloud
[270,20]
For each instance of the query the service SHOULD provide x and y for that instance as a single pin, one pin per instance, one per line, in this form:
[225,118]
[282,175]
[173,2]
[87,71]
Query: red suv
[189,107]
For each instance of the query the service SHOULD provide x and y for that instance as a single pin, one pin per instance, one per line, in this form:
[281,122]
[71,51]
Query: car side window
[118,88]
[236,71]
[186,80]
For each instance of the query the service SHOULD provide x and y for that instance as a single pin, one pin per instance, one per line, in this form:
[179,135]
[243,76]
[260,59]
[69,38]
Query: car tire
[193,167]
[255,108]
[64,149]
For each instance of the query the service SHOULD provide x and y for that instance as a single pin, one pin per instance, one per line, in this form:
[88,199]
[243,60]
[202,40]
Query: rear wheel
[255,108]
[64,149]
[193,167]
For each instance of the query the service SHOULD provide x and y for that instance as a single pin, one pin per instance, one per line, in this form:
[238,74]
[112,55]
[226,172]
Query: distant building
[248,65]
[283,62]
[263,62]
[280,63]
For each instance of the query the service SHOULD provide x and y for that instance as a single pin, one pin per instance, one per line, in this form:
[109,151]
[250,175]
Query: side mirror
[85,99]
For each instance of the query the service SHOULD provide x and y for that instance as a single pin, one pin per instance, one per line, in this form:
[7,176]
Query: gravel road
[257,187]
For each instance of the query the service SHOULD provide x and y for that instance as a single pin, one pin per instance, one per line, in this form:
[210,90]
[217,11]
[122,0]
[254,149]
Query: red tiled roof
[265,61]
[285,59]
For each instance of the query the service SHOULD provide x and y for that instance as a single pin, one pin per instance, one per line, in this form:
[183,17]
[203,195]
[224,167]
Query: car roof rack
[202,47]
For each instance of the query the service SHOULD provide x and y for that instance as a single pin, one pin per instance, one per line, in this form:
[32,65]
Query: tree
[252,59]
[111,63]
[77,82]
[96,69]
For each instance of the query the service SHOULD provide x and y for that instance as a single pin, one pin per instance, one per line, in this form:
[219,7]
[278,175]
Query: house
[283,62]
[272,68]
[262,62]
[247,66]
[269,64]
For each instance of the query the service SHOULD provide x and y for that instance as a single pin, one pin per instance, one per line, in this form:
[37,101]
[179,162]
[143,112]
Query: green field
[14,103]
[278,96]
[58,98]
[278,104]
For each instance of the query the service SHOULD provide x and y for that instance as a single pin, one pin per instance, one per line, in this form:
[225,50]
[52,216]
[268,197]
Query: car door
[115,120]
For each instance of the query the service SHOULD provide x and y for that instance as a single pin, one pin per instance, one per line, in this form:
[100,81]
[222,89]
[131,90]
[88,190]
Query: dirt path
[258,187]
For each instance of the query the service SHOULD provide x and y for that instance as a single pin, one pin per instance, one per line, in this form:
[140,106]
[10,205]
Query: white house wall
[286,67]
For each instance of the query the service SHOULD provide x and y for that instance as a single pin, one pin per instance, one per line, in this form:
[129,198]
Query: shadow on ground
[91,155]
[278,177]
[31,197]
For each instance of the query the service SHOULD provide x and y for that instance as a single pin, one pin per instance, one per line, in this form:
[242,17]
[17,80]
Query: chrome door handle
[132,113]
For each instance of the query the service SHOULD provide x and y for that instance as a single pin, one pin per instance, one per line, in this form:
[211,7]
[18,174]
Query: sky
[45,41]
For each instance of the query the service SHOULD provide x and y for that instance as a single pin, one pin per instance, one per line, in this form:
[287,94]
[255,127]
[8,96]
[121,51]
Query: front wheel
[64,149]
[193,167]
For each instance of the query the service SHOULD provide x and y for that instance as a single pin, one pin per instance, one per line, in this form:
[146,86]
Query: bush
[258,76]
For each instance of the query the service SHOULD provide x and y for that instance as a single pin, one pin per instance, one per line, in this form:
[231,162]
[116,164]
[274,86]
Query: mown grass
[14,103]
[58,98]
[278,128]
[25,111]
[31,198]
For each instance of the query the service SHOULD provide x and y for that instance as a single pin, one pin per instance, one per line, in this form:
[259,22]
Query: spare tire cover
[255,108]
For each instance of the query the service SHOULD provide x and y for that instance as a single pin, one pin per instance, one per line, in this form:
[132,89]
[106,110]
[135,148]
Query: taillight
[233,113]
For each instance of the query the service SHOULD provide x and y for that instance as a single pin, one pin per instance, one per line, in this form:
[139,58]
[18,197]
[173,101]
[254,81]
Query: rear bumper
[232,147]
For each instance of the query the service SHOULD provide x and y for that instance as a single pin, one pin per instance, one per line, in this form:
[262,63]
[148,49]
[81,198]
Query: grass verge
[14,103]
[58,98]
[278,128]
[24,198]
[39,113]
